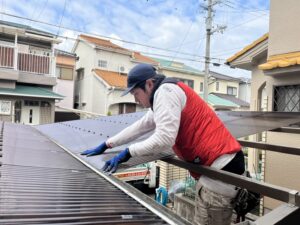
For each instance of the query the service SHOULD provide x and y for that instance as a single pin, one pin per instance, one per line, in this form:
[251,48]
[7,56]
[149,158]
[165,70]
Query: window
[217,86]
[5,107]
[190,83]
[31,103]
[45,104]
[287,98]
[64,73]
[231,90]
[102,63]
[201,87]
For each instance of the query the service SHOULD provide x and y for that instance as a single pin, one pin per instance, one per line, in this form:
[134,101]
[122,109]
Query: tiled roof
[214,100]
[223,76]
[141,58]
[233,99]
[247,48]
[177,66]
[281,61]
[102,42]
[113,79]
[30,91]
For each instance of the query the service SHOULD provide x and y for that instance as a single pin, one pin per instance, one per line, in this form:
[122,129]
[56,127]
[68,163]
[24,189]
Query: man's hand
[112,164]
[95,151]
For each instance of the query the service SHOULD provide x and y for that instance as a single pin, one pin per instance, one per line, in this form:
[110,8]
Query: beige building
[274,62]
[27,74]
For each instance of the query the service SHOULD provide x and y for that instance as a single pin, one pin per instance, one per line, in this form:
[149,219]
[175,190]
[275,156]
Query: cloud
[168,24]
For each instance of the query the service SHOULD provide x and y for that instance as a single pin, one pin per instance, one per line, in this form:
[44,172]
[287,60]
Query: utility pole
[209,32]
[207,48]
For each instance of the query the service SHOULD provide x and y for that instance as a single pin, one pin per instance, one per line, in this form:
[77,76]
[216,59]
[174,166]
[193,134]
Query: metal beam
[270,147]
[270,190]
[288,130]
[284,214]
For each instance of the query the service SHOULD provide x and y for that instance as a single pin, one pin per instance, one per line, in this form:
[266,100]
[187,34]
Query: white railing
[7,56]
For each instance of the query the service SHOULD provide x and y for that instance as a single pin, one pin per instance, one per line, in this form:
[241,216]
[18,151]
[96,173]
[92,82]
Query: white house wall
[223,84]
[65,88]
[99,96]
[245,92]
[86,60]
[114,61]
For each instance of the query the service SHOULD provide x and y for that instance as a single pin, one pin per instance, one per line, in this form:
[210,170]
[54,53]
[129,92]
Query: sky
[169,29]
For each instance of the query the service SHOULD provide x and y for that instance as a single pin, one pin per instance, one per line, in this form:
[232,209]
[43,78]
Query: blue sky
[167,24]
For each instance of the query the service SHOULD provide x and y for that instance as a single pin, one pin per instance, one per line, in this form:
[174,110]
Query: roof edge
[247,48]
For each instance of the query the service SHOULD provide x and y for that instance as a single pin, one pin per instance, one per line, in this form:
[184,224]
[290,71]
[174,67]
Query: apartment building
[27,74]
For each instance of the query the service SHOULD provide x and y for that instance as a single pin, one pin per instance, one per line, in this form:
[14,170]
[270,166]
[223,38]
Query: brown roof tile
[101,42]
[141,58]
[112,78]
[280,61]
[247,48]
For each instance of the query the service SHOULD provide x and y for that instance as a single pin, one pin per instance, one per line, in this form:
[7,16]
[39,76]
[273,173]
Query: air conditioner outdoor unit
[122,69]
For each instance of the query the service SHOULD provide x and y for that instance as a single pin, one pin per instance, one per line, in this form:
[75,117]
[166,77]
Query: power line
[101,36]
[185,36]
[238,7]
[63,13]
[42,10]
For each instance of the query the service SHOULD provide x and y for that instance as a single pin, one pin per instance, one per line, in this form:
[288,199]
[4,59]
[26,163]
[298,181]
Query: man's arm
[137,129]
[169,102]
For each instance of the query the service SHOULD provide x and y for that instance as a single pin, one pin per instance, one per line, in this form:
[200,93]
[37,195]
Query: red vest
[201,133]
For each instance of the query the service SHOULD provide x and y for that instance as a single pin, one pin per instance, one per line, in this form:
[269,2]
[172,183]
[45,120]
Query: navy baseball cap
[137,75]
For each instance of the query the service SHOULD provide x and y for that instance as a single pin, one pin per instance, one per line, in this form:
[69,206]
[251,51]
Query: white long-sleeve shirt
[169,101]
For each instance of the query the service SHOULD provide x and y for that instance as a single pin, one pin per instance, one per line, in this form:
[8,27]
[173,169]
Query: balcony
[26,67]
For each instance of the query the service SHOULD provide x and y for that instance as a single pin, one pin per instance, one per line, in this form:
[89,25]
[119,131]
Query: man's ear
[150,84]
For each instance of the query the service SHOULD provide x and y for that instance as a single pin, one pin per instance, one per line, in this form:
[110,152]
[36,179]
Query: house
[101,75]
[218,84]
[228,88]
[102,72]
[274,62]
[65,73]
[188,75]
[27,74]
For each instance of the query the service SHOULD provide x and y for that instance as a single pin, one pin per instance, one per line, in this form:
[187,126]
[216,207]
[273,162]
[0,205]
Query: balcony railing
[7,56]
[11,58]
[34,63]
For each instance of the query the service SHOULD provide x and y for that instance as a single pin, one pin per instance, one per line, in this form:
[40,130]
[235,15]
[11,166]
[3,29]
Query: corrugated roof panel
[40,183]
[80,135]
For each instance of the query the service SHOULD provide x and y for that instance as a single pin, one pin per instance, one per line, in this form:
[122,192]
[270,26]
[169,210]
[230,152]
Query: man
[181,119]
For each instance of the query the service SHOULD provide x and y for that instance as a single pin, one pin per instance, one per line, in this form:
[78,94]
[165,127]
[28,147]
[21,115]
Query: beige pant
[212,208]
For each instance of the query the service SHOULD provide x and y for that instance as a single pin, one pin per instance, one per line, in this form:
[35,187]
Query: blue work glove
[112,164]
[95,151]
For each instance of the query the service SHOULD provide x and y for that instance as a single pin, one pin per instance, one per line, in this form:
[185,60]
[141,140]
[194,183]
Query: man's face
[142,97]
